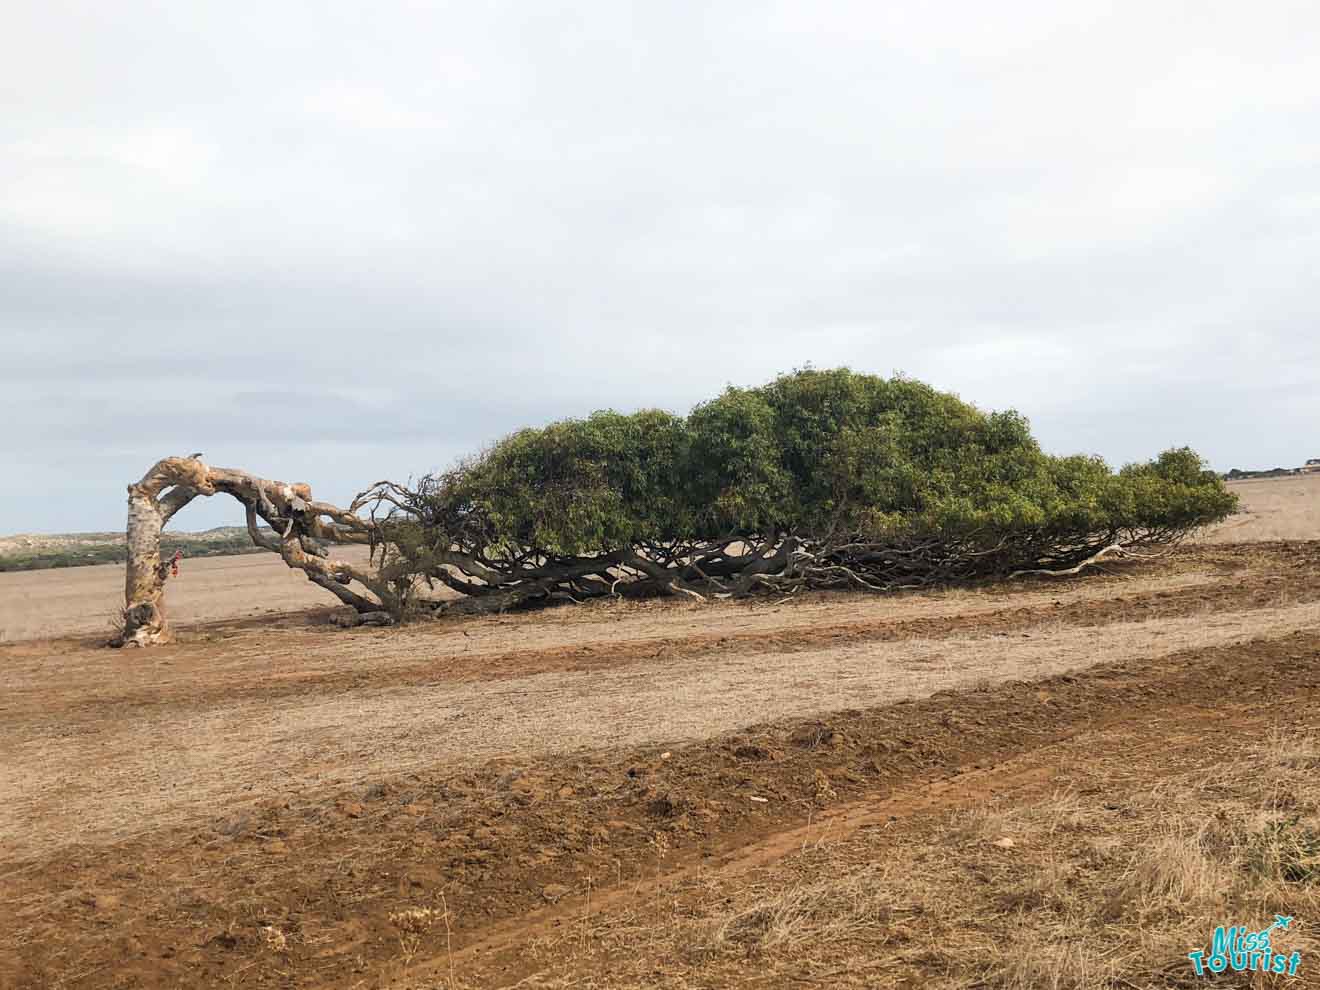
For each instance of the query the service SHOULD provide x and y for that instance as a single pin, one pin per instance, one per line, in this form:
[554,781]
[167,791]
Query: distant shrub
[82,555]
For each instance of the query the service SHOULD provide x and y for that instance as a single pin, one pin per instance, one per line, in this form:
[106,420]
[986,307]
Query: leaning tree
[819,479]
[298,528]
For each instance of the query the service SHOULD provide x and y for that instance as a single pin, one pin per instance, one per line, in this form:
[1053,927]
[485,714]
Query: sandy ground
[70,601]
[1272,509]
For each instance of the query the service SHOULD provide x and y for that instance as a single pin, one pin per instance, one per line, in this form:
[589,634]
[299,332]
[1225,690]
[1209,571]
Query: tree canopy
[836,477]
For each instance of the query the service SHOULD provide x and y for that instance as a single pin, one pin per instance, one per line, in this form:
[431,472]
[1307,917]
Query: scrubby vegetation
[1237,474]
[78,550]
[822,478]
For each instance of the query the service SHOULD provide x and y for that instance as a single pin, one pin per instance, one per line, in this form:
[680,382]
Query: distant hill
[38,551]
[1237,474]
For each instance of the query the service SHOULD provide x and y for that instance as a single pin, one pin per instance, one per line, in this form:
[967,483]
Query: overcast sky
[339,241]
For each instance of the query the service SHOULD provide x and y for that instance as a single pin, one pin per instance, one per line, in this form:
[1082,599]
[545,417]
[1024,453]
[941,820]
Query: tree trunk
[144,584]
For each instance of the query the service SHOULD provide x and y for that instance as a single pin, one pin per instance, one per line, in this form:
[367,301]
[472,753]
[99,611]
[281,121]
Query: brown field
[1273,509]
[1055,783]
[76,601]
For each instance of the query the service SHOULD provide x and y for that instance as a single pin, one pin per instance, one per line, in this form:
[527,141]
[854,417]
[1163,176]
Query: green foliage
[826,455]
[577,485]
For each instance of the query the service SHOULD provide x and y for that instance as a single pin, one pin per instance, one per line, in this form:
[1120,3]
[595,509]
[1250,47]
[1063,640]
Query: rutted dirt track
[250,806]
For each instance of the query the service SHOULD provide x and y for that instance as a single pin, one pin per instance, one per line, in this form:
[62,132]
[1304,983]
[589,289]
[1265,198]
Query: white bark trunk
[144,579]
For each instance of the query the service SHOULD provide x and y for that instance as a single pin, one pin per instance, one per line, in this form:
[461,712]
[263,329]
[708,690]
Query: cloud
[337,242]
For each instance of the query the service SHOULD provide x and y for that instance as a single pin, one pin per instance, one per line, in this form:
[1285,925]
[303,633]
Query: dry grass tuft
[1032,962]
[1296,751]
[859,904]
[275,939]
[416,921]
[986,823]
[1047,888]
[1171,874]
[1284,851]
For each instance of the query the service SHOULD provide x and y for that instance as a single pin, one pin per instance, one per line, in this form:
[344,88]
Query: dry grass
[275,939]
[1101,886]
[416,921]
[1033,963]
[1296,752]
[829,911]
